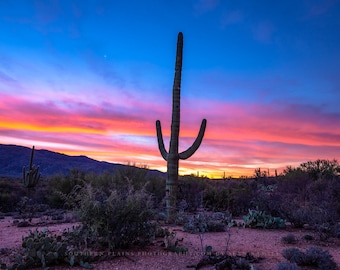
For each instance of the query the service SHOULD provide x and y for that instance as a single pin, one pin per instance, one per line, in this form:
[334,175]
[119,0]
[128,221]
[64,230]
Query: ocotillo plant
[172,157]
[32,176]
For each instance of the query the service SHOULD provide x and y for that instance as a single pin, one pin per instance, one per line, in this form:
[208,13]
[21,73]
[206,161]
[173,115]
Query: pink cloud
[238,139]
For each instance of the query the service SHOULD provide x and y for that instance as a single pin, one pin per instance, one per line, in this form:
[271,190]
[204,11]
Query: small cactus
[259,219]
[32,176]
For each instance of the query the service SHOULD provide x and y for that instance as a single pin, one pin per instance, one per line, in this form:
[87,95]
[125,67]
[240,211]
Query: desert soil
[260,243]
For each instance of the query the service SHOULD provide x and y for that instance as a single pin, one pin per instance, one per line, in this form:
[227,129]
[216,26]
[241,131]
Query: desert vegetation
[127,209]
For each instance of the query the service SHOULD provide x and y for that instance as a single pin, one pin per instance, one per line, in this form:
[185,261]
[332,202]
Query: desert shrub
[324,196]
[26,208]
[118,218]
[320,258]
[6,202]
[82,238]
[314,257]
[201,223]
[294,255]
[259,219]
[295,180]
[315,215]
[197,224]
[223,217]
[308,237]
[310,195]
[182,217]
[43,249]
[298,215]
[216,226]
[236,196]
[217,199]
[60,184]
[321,169]
[156,186]
[171,243]
[191,189]
[241,264]
[243,192]
[318,204]
[287,266]
[120,180]
[289,239]
[11,191]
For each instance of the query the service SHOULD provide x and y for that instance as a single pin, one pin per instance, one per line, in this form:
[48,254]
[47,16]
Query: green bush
[118,218]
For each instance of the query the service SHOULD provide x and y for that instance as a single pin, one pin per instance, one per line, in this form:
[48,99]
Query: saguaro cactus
[32,176]
[172,157]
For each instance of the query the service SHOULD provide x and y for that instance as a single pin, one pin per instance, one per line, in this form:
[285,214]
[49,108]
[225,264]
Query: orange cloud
[238,139]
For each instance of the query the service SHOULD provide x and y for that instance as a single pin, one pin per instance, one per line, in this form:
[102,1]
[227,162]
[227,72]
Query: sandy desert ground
[260,243]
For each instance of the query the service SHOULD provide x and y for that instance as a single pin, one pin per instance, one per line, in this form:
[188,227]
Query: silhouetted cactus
[172,157]
[32,176]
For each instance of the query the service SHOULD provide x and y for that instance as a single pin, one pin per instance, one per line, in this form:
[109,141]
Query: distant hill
[14,157]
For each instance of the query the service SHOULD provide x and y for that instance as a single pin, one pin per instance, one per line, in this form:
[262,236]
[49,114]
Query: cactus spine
[172,157]
[32,176]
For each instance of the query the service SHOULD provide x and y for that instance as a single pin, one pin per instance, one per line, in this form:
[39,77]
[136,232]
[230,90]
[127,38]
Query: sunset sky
[92,77]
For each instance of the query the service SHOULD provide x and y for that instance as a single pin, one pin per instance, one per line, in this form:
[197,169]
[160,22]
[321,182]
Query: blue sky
[92,77]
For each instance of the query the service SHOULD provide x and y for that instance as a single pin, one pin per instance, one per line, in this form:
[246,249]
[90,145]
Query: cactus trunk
[172,157]
[32,176]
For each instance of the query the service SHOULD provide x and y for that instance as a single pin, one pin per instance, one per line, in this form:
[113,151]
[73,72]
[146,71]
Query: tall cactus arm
[31,160]
[192,149]
[161,146]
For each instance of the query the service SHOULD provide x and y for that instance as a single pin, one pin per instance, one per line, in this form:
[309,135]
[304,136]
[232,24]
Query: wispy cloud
[318,8]
[4,78]
[103,68]
[232,17]
[263,31]
[204,6]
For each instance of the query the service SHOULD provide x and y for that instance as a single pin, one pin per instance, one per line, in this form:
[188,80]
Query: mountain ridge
[14,157]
